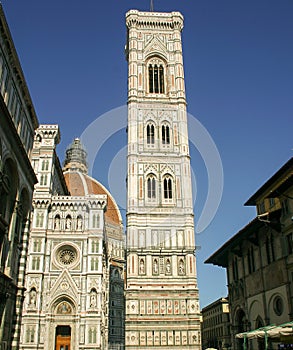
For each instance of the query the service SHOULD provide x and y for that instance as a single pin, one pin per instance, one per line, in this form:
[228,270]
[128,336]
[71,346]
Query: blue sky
[239,80]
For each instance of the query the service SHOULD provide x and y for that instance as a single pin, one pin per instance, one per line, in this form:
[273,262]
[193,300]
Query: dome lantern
[76,157]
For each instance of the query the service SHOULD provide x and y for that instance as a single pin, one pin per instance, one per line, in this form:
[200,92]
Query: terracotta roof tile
[80,185]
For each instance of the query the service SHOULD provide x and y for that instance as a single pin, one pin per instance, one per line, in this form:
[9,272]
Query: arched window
[165,134]
[151,187]
[150,134]
[168,191]
[156,78]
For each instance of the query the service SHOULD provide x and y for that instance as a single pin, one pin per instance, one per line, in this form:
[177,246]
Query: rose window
[67,256]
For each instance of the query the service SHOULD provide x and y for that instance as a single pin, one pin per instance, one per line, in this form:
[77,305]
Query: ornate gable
[64,285]
[156,46]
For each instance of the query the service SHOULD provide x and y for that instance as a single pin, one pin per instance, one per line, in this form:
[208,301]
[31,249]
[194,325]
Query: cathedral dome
[79,183]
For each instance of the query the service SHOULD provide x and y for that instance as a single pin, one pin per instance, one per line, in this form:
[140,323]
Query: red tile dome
[80,184]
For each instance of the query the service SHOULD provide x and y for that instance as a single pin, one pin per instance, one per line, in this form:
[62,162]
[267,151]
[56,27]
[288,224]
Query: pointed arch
[150,133]
[165,133]
[151,186]
[156,75]
[64,306]
[168,187]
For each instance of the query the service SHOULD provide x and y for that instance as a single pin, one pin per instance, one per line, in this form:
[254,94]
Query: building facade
[258,260]
[75,255]
[17,178]
[62,273]
[162,303]
[216,325]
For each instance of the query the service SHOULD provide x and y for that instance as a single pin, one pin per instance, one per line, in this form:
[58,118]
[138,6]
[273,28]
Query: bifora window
[150,134]
[165,134]
[151,183]
[156,78]
[168,187]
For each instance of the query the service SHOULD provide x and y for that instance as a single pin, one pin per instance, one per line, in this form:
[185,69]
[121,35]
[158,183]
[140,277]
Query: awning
[271,331]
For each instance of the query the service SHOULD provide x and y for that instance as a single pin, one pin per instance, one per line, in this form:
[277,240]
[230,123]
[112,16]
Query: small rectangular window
[289,238]
[285,207]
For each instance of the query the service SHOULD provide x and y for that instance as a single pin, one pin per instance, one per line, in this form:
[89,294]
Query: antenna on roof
[152,6]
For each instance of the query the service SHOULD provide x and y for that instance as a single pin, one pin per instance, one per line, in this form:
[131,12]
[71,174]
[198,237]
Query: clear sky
[238,58]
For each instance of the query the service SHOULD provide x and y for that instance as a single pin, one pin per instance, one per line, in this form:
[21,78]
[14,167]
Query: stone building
[62,265]
[18,121]
[74,277]
[162,306]
[216,325]
[258,260]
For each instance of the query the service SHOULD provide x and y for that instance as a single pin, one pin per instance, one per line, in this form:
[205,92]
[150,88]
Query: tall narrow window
[45,164]
[30,334]
[151,183]
[270,249]
[36,263]
[94,264]
[250,258]
[95,246]
[168,188]
[96,220]
[156,79]
[39,219]
[150,134]
[165,134]
[235,269]
[37,245]
[161,79]
[289,238]
[92,335]
[43,180]
[151,80]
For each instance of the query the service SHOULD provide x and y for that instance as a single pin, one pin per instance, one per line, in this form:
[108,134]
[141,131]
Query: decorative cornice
[154,20]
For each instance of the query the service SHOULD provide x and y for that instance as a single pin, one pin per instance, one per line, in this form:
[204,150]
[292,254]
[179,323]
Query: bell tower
[162,303]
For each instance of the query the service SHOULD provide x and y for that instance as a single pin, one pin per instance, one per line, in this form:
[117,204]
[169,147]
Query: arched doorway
[63,338]
[240,327]
[260,341]
[64,329]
